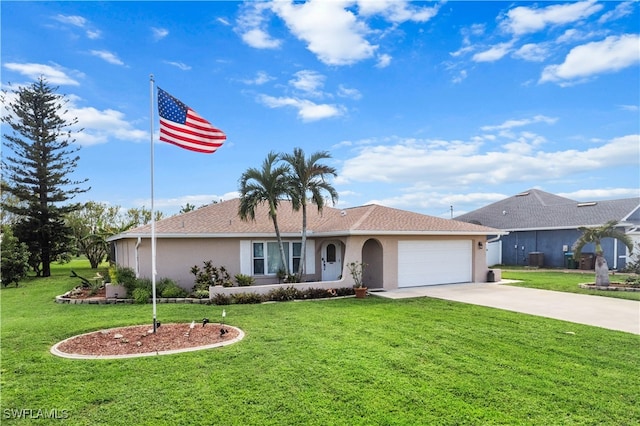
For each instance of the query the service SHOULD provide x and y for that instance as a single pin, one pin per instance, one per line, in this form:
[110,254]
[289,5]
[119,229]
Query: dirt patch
[140,340]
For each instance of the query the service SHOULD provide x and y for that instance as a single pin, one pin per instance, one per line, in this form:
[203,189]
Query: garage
[434,262]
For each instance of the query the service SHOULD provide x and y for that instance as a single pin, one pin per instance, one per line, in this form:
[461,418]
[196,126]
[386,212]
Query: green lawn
[331,362]
[565,281]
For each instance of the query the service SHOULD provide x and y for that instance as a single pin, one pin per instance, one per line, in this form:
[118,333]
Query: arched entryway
[372,257]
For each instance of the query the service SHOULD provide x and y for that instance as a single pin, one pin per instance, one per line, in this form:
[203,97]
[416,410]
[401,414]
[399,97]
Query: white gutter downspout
[138,257]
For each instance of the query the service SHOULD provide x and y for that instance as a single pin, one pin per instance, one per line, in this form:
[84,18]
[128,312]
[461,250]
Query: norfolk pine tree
[36,170]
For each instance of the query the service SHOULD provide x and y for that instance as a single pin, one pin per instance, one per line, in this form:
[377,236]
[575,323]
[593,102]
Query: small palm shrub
[244,280]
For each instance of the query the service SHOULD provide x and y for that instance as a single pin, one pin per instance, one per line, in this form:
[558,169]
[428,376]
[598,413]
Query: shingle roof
[535,209]
[221,219]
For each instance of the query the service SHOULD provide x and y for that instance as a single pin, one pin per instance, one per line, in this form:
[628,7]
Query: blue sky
[423,106]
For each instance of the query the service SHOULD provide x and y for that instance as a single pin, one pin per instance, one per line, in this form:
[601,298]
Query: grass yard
[565,281]
[331,362]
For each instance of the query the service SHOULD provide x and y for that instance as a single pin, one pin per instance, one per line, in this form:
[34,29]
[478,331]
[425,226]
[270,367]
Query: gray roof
[535,209]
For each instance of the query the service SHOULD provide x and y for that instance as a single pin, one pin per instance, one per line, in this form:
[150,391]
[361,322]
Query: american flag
[182,126]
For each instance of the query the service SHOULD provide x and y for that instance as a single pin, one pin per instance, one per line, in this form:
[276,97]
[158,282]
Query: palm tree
[307,183]
[267,185]
[595,235]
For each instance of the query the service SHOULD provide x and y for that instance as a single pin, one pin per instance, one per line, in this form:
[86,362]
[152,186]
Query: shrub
[221,299]
[125,277]
[247,298]
[634,267]
[172,290]
[141,295]
[319,293]
[345,291]
[283,294]
[210,275]
[244,280]
[633,281]
[15,258]
[200,294]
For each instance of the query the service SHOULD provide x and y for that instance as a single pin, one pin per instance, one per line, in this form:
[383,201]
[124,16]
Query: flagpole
[153,219]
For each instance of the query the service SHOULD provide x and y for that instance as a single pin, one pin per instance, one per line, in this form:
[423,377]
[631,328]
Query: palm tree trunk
[274,218]
[303,248]
[602,270]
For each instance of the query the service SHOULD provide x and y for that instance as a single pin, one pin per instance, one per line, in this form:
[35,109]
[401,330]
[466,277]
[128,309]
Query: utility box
[536,259]
[587,261]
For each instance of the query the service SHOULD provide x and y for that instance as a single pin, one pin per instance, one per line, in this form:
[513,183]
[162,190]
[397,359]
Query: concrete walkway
[598,311]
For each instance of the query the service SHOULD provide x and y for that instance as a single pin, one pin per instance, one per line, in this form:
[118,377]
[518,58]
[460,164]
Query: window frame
[268,256]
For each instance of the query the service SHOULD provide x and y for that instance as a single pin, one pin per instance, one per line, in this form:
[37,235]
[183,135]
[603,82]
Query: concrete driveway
[598,311]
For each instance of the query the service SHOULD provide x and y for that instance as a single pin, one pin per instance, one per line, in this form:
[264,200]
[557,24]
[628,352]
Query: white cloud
[159,33]
[94,34]
[307,110]
[459,78]
[532,52]
[80,22]
[525,20]
[75,20]
[260,39]
[611,54]
[100,126]
[632,108]
[331,32]
[494,53]
[601,194]
[345,92]
[252,26]
[308,81]
[621,10]
[427,163]
[180,65]
[397,11]
[260,79]
[53,74]
[384,61]
[110,57]
[430,198]
[510,124]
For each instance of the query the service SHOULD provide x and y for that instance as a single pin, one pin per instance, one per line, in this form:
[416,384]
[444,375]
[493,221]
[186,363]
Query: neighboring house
[400,248]
[543,227]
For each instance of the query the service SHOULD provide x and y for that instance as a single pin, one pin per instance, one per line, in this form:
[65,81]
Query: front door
[331,261]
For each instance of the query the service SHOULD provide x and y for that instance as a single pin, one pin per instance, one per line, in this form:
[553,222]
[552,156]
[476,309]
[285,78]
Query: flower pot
[361,292]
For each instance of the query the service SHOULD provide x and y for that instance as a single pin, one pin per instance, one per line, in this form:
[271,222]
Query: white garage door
[434,262]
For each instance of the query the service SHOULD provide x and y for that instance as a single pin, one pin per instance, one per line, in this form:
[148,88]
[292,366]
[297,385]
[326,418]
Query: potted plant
[357,269]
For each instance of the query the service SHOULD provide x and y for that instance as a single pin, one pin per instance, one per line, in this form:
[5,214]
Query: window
[267,259]
[331,253]
[258,259]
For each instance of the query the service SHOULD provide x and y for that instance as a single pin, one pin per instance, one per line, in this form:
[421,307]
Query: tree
[91,226]
[37,169]
[141,216]
[187,208]
[14,258]
[308,183]
[266,185]
[595,235]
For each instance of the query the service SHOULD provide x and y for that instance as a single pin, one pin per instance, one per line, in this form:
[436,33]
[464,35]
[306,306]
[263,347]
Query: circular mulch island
[140,340]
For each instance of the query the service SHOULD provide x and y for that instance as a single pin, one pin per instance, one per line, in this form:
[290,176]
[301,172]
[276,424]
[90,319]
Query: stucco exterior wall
[176,256]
